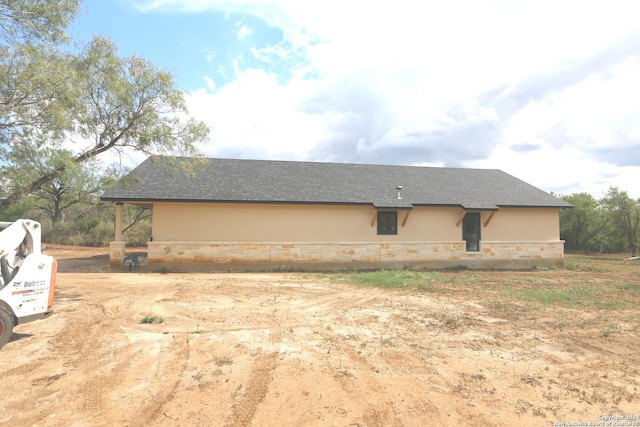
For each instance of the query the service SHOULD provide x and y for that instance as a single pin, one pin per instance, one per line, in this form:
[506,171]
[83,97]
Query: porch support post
[118,236]
[117,247]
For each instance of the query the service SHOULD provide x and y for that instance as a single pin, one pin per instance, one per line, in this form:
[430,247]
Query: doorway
[471,231]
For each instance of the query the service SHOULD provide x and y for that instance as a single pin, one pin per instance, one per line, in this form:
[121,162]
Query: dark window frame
[387,223]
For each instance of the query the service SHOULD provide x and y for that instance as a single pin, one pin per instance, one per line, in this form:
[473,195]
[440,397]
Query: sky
[545,90]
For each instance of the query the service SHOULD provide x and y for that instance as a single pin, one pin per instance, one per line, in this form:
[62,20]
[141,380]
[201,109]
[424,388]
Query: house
[259,214]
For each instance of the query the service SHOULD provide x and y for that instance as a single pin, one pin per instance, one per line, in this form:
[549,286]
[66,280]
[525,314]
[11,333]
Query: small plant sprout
[152,319]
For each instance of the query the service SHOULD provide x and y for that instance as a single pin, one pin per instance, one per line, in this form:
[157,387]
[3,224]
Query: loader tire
[6,327]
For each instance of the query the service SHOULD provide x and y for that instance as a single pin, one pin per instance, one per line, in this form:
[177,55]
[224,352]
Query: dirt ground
[295,349]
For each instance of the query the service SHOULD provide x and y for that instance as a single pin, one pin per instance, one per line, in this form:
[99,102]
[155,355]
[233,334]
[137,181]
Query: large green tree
[74,107]
[127,103]
[79,184]
[37,96]
[31,21]
[581,227]
[625,214]
[34,88]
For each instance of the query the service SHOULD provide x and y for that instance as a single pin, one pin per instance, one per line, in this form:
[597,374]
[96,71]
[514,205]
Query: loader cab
[10,261]
[8,268]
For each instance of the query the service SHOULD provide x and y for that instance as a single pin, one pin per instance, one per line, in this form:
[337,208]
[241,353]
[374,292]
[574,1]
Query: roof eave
[260,202]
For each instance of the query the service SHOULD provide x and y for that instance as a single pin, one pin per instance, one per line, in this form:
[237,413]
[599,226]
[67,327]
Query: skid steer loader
[27,279]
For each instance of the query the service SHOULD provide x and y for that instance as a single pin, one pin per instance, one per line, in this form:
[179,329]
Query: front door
[471,230]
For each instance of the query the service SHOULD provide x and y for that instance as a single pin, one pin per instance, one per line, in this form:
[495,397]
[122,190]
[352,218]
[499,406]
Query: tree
[625,214]
[19,210]
[581,226]
[37,99]
[129,103]
[29,21]
[32,80]
[117,104]
[80,184]
[34,84]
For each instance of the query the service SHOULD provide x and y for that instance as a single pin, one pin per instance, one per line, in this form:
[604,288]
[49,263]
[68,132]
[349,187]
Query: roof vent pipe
[399,188]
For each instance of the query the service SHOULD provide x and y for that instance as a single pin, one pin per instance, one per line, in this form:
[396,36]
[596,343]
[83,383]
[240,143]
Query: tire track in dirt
[362,347]
[19,371]
[154,413]
[172,353]
[358,380]
[106,376]
[261,377]
[334,300]
[93,360]
[255,391]
[70,344]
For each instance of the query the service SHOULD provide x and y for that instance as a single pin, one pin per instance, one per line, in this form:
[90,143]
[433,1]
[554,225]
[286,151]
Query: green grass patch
[397,279]
[545,297]
[553,296]
[576,266]
[610,263]
[589,284]
[152,319]
[628,288]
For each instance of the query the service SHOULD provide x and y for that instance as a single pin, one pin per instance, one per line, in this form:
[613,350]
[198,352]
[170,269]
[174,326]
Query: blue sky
[196,47]
[547,91]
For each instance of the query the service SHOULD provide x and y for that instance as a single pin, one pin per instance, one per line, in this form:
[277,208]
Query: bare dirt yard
[534,348]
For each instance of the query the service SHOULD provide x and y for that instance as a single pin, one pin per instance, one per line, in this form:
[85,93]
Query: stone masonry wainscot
[229,256]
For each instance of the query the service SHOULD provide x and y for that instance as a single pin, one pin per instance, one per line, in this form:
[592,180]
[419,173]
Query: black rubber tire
[6,327]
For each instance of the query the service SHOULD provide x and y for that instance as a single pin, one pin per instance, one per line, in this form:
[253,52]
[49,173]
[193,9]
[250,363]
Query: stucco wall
[302,223]
[522,224]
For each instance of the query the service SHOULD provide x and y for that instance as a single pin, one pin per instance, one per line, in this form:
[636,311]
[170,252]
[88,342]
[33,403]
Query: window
[471,231]
[387,222]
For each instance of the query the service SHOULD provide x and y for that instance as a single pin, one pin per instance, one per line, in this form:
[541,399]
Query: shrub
[152,319]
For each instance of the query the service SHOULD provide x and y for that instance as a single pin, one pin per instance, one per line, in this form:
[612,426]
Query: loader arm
[18,232]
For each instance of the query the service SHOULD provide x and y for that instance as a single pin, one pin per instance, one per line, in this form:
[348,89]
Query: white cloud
[254,117]
[563,170]
[267,54]
[210,55]
[211,85]
[243,31]
[544,90]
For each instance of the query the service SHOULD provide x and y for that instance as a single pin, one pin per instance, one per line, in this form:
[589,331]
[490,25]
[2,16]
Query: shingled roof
[265,181]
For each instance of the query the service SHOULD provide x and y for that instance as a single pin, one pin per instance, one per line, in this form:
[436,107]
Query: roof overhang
[479,207]
[393,206]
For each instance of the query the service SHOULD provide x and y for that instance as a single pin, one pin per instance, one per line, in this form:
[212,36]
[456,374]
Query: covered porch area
[119,256]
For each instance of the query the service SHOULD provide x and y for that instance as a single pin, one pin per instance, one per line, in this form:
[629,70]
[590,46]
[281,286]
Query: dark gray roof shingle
[267,181]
